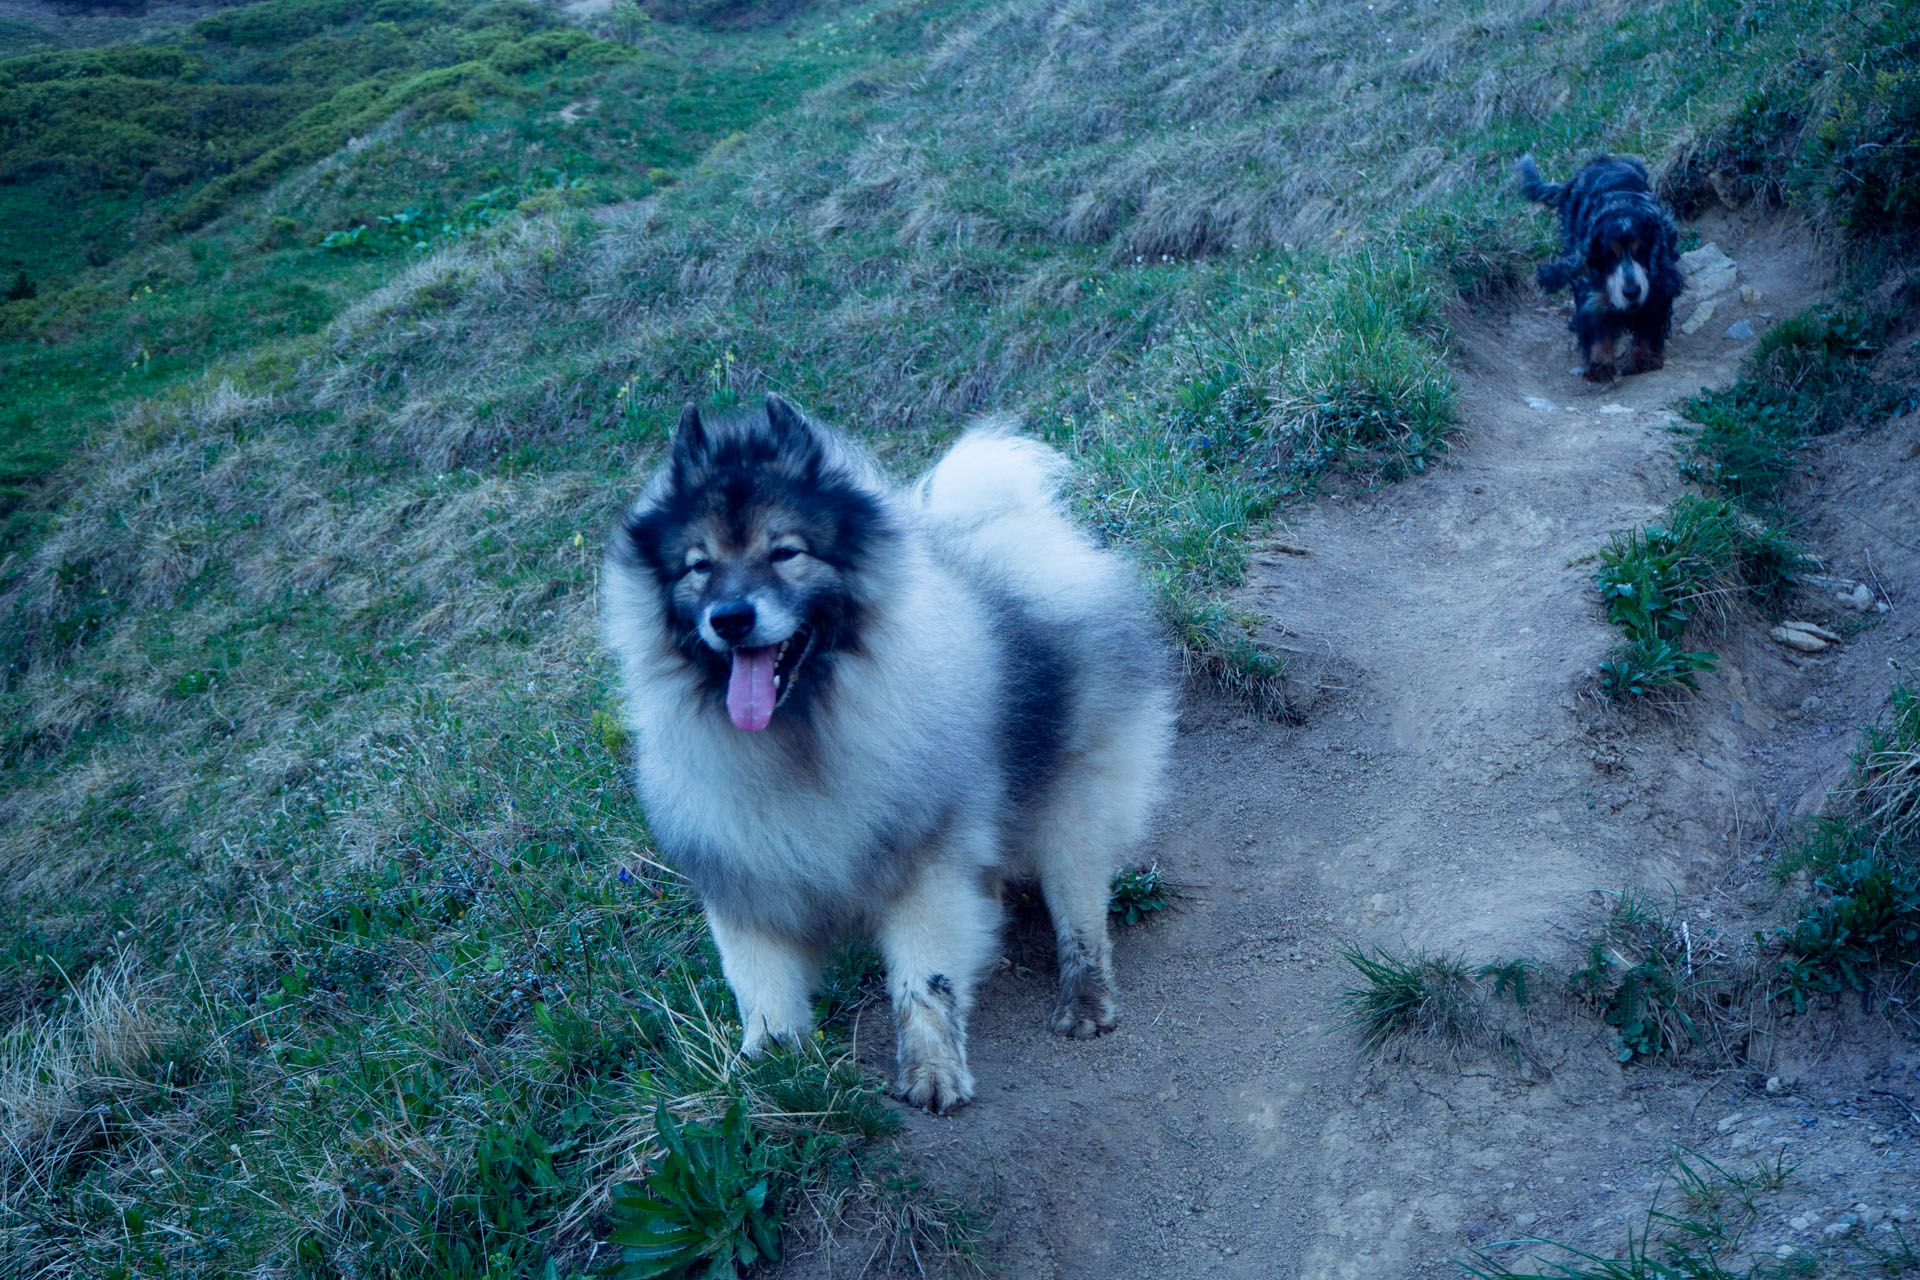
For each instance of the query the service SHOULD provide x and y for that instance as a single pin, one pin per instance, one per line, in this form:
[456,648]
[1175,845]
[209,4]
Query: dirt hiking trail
[1450,787]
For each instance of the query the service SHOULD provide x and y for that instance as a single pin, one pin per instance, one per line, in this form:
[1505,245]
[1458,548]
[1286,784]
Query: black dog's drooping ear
[689,438]
[791,432]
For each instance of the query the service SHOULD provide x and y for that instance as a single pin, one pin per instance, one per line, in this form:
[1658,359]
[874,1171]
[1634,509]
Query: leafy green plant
[704,1210]
[1137,893]
[1635,980]
[1640,668]
[1657,580]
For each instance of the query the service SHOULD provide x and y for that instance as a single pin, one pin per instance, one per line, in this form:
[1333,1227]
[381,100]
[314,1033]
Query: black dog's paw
[1645,360]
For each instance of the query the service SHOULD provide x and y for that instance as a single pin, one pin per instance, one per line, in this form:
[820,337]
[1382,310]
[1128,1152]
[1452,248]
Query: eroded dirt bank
[1451,787]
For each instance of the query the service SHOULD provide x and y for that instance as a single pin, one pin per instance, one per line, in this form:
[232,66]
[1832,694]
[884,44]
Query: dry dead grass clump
[61,1075]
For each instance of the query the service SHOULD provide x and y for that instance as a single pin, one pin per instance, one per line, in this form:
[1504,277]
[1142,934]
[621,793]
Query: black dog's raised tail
[1536,188]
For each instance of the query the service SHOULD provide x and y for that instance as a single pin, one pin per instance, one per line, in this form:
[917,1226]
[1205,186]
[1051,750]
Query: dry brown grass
[60,1075]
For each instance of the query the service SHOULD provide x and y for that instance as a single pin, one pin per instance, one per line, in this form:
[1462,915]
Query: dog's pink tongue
[750,688]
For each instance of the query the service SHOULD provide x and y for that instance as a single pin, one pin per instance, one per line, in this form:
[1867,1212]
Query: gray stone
[1707,270]
[1740,330]
[1701,314]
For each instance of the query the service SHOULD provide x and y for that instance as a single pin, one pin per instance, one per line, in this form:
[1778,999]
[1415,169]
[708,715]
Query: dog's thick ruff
[859,709]
[1621,257]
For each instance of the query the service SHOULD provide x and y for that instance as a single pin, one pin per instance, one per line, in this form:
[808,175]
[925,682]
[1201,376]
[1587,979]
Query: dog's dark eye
[783,553]
[701,566]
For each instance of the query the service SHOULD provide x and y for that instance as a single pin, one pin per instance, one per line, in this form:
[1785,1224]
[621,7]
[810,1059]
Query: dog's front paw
[935,1084]
[1084,1013]
[1598,373]
[759,1038]
[1645,360]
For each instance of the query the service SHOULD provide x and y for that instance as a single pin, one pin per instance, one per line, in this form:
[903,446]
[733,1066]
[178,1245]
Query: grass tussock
[1436,999]
[98,1073]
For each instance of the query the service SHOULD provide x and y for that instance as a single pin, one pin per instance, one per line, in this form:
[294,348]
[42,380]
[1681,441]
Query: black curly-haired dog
[1621,256]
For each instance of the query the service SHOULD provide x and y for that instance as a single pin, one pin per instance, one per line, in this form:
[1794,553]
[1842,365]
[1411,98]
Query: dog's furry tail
[991,473]
[1536,188]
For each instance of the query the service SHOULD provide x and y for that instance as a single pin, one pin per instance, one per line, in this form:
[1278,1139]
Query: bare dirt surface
[1453,786]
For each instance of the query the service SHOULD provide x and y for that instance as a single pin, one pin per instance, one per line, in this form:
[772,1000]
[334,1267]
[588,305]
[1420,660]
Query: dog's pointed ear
[791,430]
[785,420]
[690,441]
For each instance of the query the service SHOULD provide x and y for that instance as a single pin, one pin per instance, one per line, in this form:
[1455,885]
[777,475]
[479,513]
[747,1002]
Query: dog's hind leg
[1097,812]
[1077,901]
[936,939]
[772,979]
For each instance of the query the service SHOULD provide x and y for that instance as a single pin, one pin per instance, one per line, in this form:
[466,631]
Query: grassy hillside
[151,235]
[333,945]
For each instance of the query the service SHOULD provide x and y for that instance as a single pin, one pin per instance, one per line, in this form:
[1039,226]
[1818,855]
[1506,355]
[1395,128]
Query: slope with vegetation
[333,945]
[152,237]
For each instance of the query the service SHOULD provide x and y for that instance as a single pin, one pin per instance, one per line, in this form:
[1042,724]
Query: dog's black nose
[732,621]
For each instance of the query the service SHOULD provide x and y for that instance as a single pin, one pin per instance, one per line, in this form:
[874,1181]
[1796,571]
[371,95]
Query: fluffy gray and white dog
[859,710]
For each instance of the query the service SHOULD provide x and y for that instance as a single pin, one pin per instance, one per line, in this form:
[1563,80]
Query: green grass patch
[1659,582]
[1863,860]
[1807,376]
[455,117]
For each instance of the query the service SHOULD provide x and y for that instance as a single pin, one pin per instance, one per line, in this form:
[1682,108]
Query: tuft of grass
[1697,1228]
[1698,1238]
[1433,997]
